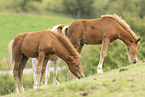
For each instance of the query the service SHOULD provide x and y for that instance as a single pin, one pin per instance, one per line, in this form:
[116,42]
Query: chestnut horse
[103,31]
[54,59]
[42,45]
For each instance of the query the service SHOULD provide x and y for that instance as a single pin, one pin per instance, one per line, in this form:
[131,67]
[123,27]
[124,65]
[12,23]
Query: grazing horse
[54,59]
[103,31]
[42,45]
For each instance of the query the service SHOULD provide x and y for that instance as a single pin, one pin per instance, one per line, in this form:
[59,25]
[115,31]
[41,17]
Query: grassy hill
[124,82]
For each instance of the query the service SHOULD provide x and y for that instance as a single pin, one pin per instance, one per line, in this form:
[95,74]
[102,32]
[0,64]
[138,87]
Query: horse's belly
[92,39]
[92,36]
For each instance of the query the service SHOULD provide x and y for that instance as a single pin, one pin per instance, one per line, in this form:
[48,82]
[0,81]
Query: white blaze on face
[129,56]
[55,28]
[136,59]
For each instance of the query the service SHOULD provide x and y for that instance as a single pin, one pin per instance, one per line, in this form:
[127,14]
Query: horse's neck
[126,37]
[61,51]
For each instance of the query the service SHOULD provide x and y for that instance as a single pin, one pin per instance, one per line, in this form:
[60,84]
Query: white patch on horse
[55,28]
[64,29]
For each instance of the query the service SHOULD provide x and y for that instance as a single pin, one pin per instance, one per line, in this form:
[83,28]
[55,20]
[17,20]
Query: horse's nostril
[78,76]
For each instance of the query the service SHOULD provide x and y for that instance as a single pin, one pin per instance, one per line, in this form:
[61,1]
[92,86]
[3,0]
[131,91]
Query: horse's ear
[66,31]
[138,40]
[59,28]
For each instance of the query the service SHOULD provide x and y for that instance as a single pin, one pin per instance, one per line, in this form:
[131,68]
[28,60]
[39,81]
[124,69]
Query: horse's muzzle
[80,76]
[135,60]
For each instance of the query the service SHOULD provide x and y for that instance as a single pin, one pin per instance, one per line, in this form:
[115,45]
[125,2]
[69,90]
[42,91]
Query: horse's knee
[15,72]
[39,69]
[19,74]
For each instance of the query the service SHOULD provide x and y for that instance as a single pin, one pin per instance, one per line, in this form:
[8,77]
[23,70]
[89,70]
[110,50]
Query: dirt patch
[86,93]
[122,69]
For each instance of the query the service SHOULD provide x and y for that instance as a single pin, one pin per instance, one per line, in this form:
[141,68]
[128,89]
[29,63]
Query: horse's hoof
[35,87]
[22,90]
[17,91]
[99,72]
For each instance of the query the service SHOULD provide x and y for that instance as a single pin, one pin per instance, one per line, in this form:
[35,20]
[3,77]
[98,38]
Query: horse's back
[32,42]
[92,31]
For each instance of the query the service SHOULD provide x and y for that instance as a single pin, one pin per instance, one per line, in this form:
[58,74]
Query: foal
[42,45]
[103,31]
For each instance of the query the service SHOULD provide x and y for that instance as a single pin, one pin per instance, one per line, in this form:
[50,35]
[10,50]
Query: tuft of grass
[128,83]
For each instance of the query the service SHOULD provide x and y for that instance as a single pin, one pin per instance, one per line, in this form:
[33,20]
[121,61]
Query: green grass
[12,24]
[115,83]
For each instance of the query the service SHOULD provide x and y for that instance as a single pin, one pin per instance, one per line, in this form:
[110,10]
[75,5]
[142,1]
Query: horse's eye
[76,65]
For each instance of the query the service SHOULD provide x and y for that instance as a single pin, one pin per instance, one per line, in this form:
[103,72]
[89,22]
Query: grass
[12,24]
[124,82]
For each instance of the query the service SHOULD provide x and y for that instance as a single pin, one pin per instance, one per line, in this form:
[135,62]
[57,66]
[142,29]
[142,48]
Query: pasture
[124,82]
[12,24]
[118,79]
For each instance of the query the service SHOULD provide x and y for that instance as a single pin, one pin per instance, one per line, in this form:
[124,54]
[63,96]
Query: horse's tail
[64,30]
[10,50]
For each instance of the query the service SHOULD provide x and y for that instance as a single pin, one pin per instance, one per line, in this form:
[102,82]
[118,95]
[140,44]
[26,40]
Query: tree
[23,3]
[79,8]
[142,9]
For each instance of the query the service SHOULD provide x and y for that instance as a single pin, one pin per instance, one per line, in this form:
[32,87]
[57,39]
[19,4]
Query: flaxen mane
[66,42]
[122,22]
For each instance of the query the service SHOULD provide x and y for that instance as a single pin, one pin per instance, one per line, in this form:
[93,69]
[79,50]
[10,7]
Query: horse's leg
[43,71]
[21,67]
[80,47]
[34,64]
[105,44]
[55,70]
[47,75]
[17,58]
[41,58]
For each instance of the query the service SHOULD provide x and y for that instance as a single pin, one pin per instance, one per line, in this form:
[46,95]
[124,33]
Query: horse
[61,28]
[103,31]
[42,45]
[54,59]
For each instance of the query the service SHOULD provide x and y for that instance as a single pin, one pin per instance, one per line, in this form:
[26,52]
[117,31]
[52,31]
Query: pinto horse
[54,59]
[42,45]
[103,31]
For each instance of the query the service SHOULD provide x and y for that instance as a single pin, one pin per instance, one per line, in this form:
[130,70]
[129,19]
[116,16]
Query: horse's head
[132,50]
[74,65]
